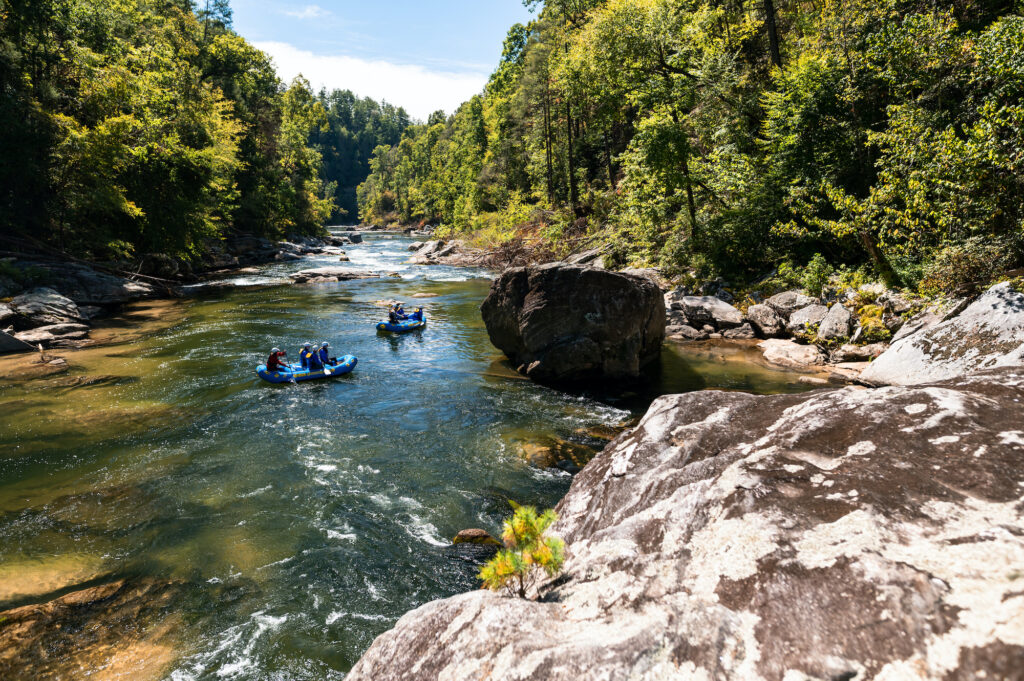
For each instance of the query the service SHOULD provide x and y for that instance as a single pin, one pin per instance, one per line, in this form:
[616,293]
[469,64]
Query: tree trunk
[547,147]
[885,269]
[773,32]
[573,193]
[608,160]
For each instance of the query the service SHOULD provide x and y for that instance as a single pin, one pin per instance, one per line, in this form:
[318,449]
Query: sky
[424,56]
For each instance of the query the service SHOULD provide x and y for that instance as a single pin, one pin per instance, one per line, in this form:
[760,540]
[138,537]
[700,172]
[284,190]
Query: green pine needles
[527,555]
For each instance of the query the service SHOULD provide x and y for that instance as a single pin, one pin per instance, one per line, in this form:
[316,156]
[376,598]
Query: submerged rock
[988,333]
[563,323]
[109,631]
[733,536]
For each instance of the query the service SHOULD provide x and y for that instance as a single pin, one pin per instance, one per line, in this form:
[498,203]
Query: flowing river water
[297,522]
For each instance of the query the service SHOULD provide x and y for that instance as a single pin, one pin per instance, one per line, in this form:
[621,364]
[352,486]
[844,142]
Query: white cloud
[420,90]
[308,12]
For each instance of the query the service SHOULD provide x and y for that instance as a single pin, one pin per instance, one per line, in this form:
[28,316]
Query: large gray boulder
[765,320]
[789,302]
[987,333]
[836,324]
[700,310]
[806,316]
[561,323]
[87,286]
[731,536]
[43,306]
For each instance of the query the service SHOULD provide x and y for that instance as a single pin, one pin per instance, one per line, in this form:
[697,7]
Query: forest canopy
[734,137]
[133,126]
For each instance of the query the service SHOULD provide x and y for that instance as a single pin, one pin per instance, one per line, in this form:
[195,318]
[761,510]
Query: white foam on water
[326,467]
[338,614]
[255,492]
[334,534]
[418,528]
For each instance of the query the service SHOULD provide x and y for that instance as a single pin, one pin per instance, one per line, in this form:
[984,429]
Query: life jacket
[274,362]
[324,355]
[304,358]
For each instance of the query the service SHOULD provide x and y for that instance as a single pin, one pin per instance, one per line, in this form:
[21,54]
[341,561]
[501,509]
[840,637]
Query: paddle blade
[327,372]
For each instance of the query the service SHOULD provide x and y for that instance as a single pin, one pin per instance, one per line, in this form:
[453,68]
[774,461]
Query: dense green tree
[134,127]
[732,137]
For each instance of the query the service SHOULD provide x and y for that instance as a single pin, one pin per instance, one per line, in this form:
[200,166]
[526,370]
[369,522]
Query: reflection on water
[300,520]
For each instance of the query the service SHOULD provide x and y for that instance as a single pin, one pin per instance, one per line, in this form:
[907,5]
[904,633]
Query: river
[296,521]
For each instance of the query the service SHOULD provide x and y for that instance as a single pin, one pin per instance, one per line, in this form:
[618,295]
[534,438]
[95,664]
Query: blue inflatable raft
[402,327]
[345,365]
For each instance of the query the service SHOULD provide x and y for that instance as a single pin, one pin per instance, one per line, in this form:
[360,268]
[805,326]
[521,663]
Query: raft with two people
[315,364]
[399,322]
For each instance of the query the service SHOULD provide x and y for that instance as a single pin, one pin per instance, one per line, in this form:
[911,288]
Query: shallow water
[301,520]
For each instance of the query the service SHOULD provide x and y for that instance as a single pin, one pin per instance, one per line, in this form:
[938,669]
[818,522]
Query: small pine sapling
[528,553]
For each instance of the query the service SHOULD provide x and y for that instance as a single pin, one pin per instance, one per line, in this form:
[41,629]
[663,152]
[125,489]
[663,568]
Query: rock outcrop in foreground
[561,323]
[839,534]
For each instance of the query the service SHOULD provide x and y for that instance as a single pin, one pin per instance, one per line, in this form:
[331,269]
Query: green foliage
[816,275]
[148,127]
[964,268]
[528,553]
[667,131]
[872,324]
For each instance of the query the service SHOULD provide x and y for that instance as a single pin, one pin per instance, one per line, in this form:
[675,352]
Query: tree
[528,553]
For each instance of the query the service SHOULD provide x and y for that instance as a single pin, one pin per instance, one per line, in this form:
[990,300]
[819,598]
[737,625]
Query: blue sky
[427,55]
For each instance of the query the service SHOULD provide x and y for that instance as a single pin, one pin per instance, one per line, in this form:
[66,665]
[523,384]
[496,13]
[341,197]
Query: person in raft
[416,316]
[400,311]
[324,354]
[304,353]
[276,360]
[313,363]
[393,316]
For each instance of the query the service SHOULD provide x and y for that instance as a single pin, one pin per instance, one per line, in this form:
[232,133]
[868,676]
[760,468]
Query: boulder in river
[475,536]
[701,310]
[987,333]
[561,323]
[327,274]
[43,306]
[733,536]
[789,353]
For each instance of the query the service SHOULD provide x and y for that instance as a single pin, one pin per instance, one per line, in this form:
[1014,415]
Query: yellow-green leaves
[528,554]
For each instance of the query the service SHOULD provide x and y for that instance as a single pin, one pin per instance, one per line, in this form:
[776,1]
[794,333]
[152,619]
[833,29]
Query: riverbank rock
[563,323]
[733,536]
[701,310]
[789,353]
[858,353]
[54,335]
[789,302]
[837,323]
[987,333]
[329,274]
[806,317]
[765,320]
[43,306]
